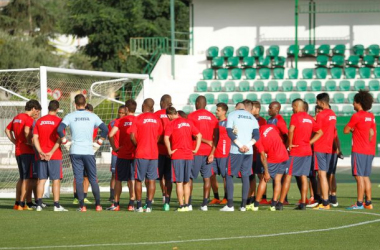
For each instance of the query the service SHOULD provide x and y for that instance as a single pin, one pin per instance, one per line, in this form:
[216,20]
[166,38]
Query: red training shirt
[261,122]
[17,125]
[164,122]
[326,119]
[126,147]
[271,143]
[279,121]
[116,136]
[222,150]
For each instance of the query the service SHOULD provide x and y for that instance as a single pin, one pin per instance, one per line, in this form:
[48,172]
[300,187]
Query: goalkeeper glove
[66,143]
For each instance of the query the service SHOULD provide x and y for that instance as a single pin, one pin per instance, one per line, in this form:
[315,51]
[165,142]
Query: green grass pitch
[288,229]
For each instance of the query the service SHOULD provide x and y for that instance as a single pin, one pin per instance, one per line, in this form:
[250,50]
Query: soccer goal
[106,91]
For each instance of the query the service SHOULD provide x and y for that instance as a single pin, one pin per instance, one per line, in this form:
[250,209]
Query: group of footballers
[173,147]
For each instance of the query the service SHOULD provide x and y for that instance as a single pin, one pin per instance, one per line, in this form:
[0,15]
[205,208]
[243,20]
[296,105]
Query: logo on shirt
[204,118]
[244,117]
[149,121]
[368,119]
[163,116]
[17,121]
[47,123]
[184,124]
[267,131]
[332,118]
[306,121]
[127,124]
[81,119]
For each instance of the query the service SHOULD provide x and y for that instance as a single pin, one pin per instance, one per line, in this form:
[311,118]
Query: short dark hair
[53,105]
[365,99]
[80,100]
[222,105]
[323,97]
[247,103]
[306,106]
[32,104]
[256,104]
[171,111]
[317,107]
[296,100]
[131,105]
[122,107]
[89,107]
[182,114]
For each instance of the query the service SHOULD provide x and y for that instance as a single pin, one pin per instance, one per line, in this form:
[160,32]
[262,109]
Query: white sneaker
[227,209]
[335,204]
[203,208]
[312,205]
[190,207]
[44,205]
[139,210]
[60,209]
[242,209]
[39,209]
[148,210]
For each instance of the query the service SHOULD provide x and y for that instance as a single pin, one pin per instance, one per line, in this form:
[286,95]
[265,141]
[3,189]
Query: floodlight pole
[296,33]
[172,30]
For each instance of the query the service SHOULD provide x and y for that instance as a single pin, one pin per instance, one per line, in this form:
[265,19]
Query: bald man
[277,120]
[146,131]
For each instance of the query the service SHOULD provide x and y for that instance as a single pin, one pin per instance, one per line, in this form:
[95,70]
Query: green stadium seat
[223,98]
[322,61]
[301,86]
[278,73]
[292,50]
[321,73]
[358,50]
[294,96]
[264,73]
[374,85]
[244,86]
[348,110]
[193,98]
[365,72]
[217,62]
[293,73]
[339,49]
[233,62]
[309,98]
[230,86]
[222,74]
[281,98]
[279,62]
[210,98]
[213,109]
[350,73]
[250,73]
[263,62]
[187,109]
[374,50]
[252,97]
[248,62]
[212,52]
[335,108]
[350,97]
[258,85]
[287,112]
[236,74]
[308,50]
[324,49]
[338,98]
[273,51]
[227,52]
[201,86]
[359,84]
[368,61]
[272,86]
[375,110]
[242,52]
[336,73]
[307,73]
[337,61]
[353,61]
[208,74]
[376,72]
[216,86]
[237,98]
[316,86]
[263,112]
[266,98]
[287,86]
[330,85]
[230,108]
[344,85]
[258,51]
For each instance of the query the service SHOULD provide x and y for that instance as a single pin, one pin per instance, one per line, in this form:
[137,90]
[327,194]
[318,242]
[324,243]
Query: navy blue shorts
[219,166]
[146,169]
[25,166]
[49,169]
[333,164]
[257,166]
[113,163]
[312,172]
[164,167]
[239,163]
[322,161]
[84,164]
[181,170]
[201,165]
[277,168]
[124,170]
[361,164]
[299,165]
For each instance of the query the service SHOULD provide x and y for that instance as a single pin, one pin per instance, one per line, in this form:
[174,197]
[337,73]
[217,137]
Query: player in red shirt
[120,114]
[19,133]
[219,153]
[205,122]
[362,125]
[164,162]
[125,150]
[323,148]
[179,143]
[49,162]
[145,134]
[302,126]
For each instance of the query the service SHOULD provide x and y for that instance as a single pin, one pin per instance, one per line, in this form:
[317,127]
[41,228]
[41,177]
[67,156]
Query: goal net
[106,91]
